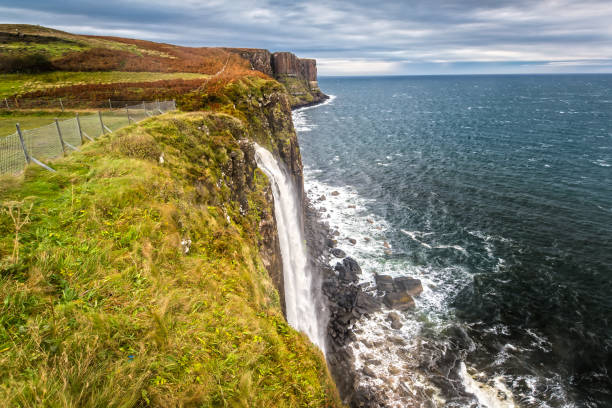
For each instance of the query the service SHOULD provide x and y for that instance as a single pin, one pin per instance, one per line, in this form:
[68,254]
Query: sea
[496,192]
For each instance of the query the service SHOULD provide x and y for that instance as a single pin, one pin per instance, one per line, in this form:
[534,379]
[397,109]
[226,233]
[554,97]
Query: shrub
[26,64]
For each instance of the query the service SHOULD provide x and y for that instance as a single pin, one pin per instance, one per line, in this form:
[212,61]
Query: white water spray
[300,301]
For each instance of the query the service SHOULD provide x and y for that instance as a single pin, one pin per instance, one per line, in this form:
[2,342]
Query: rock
[393,370]
[370,221]
[352,206]
[336,233]
[388,252]
[384,283]
[395,320]
[322,198]
[386,245]
[352,240]
[400,300]
[331,242]
[346,273]
[338,253]
[397,340]
[368,371]
[412,286]
[323,209]
[352,265]
[373,362]
[366,239]
[365,303]
[335,193]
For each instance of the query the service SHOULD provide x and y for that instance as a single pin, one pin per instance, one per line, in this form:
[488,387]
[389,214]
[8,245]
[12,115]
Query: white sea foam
[601,163]
[495,395]
[300,122]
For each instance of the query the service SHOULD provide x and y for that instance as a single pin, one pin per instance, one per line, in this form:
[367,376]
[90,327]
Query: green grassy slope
[105,307]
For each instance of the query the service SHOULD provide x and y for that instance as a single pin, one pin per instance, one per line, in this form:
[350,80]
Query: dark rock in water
[352,265]
[384,283]
[335,193]
[336,233]
[368,371]
[331,242]
[338,253]
[399,300]
[395,320]
[410,285]
[352,240]
[397,340]
[346,274]
[322,198]
[366,303]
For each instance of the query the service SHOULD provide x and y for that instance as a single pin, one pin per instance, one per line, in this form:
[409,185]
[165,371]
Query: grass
[14,84]
[51,49]
[106,307]
[29,119]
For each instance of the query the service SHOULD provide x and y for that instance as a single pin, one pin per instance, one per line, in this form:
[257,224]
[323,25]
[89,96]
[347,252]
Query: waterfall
[300,301]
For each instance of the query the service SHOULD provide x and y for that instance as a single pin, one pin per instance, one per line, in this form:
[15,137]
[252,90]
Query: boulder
[400,300]
[368,371]
[366,303]
[410,285]
[338,253]
[384,283]
[348,269]
[352,240]
[331,242]
[352,265]
[395,320]
[335,193]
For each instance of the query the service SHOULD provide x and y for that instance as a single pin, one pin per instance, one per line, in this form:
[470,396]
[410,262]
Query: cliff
[148,271]
[299,75]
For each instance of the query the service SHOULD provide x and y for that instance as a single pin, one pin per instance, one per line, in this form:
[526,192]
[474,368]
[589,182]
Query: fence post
[127,112]
[61,104]
[144,108]
[101,123]
[16,103]
[79,127]
[6,103]
[110,105]
[59,133]
[23,146]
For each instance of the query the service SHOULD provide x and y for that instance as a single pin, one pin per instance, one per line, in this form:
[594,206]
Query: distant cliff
[299,75]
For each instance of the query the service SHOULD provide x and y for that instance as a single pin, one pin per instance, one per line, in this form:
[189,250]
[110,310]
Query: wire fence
[61,137]
[16,103]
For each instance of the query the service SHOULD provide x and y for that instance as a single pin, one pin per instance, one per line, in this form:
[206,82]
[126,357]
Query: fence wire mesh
[58,138]
[12,159]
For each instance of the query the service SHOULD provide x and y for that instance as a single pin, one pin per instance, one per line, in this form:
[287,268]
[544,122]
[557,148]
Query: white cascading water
[299,300]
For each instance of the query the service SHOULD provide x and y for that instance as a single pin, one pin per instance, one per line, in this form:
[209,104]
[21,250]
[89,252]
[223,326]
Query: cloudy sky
[359,37]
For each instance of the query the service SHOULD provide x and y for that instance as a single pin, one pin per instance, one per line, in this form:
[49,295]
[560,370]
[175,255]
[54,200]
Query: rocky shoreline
[345,302]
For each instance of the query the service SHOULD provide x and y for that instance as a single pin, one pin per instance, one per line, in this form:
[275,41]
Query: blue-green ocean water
[500,189]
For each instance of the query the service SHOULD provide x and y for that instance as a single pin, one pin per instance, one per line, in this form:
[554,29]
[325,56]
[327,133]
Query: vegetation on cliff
[139,279]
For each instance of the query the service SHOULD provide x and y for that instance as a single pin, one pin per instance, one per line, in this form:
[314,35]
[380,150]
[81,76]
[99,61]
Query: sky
[360,37]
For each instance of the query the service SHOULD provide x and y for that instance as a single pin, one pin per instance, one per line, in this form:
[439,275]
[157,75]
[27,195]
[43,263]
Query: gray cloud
[361,37]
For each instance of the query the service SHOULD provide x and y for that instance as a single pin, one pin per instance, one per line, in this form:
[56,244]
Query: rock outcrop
[299,75]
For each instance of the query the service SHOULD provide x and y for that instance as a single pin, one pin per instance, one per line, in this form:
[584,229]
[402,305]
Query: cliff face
[299,75]
[152,290]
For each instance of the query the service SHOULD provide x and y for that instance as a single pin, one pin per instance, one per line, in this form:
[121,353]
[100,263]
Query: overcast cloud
[359,37]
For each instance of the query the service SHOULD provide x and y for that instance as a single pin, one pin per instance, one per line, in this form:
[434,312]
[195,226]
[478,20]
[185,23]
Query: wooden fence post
[59,133]
[23,146]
